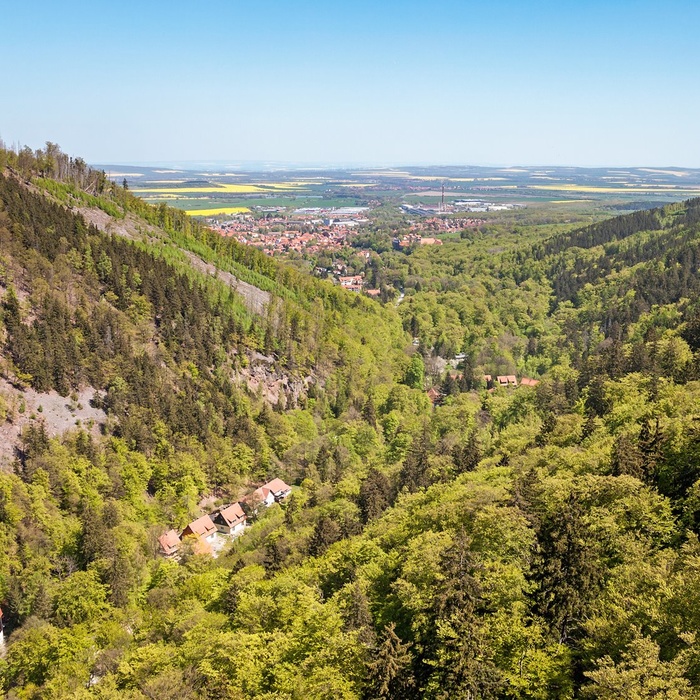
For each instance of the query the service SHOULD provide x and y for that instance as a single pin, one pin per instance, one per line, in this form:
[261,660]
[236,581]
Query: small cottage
[203,528]
[230,520]
[278,489]
[434,395]
[260,497]
[169,544]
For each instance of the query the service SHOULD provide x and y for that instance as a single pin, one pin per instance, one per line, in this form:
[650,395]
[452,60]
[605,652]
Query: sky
[383,82]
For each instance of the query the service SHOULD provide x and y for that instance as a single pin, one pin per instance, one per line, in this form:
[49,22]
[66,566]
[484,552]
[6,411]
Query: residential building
[230,520]
[201,527]
[169,544]
[278,489]
[507,380]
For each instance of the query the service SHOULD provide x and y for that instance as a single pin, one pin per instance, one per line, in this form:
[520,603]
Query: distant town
[308,230]
[312,231]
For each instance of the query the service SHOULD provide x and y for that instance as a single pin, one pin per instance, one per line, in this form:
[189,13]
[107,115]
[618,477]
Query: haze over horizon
[231,166]
[403,83]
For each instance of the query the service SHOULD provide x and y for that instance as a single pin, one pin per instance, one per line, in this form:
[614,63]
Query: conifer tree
[415,470]
[462,658]
[467,455]
[566,571]
[375,495]
[389,675]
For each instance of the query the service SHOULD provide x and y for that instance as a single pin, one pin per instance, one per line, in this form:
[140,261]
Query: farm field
[218,211]
[216,189]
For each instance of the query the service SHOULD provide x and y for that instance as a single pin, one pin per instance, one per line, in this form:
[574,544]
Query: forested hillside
[538,541]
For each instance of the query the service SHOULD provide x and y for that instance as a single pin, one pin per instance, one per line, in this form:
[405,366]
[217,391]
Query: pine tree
[389,675]
[358,616]
[467,455]
[375,495]
[276,551]
[463,660]
[449,386]
[369,411]
[566,571]
[415,470]
[651,449]
[326,532]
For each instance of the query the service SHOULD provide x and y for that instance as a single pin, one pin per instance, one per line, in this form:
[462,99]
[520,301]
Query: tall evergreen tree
[375,495]
[389,675]
[566,571]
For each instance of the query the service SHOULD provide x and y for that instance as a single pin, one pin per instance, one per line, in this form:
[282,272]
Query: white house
[230,520]
[278,489]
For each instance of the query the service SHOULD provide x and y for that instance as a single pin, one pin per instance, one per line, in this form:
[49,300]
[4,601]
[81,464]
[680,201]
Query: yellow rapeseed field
[225,188]
[218,210]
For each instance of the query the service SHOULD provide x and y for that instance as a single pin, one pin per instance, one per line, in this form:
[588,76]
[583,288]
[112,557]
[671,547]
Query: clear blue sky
[593,82]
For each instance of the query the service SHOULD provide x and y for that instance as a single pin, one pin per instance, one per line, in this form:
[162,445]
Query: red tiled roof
[433,394]
[232,514]
[276,486]
[260,494]
[202,527]
[507,379]
[169,542]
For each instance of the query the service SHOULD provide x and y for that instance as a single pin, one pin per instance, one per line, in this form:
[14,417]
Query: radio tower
[442,204]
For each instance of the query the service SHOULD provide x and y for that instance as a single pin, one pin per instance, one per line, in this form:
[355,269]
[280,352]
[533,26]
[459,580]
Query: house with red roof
[169,544]
[262,496]
[229,520]
[434,395]
[201,527]
[278,489]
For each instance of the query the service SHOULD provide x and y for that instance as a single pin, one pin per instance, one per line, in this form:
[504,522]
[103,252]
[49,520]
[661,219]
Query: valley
[489,466]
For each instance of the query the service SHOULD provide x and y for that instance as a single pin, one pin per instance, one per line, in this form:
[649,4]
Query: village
[437,394]
[309,230]
[314,230]
[210,533]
